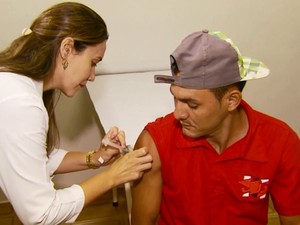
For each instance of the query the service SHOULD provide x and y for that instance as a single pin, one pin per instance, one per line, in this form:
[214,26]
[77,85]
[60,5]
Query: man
[216,161]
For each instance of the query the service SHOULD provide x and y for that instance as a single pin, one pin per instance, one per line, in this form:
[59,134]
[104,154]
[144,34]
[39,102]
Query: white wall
[143,33]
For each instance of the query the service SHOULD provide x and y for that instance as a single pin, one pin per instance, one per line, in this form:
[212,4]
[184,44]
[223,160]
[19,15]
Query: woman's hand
[107,154]
[130,166]
[125,168]
[116,136]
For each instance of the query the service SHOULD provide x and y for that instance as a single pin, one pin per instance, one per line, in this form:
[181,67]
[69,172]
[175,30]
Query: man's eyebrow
[186,99]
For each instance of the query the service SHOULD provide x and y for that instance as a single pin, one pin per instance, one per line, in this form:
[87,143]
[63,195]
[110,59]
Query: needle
[107,142]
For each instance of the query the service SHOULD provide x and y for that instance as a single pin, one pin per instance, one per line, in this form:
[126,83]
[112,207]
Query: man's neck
[233,129]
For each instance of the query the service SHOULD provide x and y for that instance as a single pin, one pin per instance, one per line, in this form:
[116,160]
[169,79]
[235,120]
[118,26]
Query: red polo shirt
[202,187]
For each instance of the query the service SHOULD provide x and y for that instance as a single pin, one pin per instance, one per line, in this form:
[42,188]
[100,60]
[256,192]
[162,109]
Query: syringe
[107,142]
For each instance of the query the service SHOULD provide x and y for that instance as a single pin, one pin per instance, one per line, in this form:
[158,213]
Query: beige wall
[143,33]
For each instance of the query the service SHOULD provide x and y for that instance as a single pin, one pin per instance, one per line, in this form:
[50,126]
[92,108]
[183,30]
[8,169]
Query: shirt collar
[39,86]
[245,148]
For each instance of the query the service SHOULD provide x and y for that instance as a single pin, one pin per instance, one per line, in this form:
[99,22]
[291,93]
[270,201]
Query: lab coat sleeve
[25,175]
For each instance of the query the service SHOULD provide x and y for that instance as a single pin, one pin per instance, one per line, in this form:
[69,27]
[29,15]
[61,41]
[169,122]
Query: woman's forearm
[124,169]
[72,162]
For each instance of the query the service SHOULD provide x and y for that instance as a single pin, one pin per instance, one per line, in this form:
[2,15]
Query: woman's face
[81,68]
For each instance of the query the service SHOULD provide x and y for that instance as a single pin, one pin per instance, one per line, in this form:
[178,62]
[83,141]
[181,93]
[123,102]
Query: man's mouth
[185,125]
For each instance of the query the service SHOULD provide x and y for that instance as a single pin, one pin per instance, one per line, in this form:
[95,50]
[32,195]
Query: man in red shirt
[216,161]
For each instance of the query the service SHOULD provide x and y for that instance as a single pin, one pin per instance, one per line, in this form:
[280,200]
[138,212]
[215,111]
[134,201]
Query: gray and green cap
[207,60]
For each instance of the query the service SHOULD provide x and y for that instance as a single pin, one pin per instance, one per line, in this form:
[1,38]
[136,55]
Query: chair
[129,101]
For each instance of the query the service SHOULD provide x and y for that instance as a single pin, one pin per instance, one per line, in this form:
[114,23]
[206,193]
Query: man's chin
[188,133]
[191,133]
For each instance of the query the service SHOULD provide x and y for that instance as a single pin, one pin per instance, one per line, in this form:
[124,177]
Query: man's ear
[234,98]
[66,47]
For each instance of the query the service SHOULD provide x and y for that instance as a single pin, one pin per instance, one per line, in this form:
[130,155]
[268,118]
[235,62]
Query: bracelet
[89,160]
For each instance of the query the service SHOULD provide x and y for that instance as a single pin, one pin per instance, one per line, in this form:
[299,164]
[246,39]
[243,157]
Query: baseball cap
[207,60]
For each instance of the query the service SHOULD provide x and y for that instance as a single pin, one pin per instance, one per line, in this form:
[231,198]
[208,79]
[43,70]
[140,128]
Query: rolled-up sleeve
[55,158]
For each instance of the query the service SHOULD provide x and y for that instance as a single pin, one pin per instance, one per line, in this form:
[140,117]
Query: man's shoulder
[266,123]
[269,122]
[167,120]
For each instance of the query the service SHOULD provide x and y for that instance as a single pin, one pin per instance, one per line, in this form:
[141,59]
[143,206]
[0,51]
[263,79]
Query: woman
[58,53]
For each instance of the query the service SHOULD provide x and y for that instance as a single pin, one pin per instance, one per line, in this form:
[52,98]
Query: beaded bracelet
[89,160]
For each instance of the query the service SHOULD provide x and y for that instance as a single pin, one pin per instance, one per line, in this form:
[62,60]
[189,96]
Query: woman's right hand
[126,168]
[130,166]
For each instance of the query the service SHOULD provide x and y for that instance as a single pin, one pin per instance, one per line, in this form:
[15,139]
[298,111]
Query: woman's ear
[66,47]
[234,98]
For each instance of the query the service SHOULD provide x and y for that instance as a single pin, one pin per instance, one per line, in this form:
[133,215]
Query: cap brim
[253,69]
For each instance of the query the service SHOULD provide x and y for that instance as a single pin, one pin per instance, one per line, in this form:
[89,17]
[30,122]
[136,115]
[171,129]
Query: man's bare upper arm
[146,192]
[289,220]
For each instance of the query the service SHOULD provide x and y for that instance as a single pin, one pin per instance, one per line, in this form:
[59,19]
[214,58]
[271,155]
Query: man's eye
[192,106]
